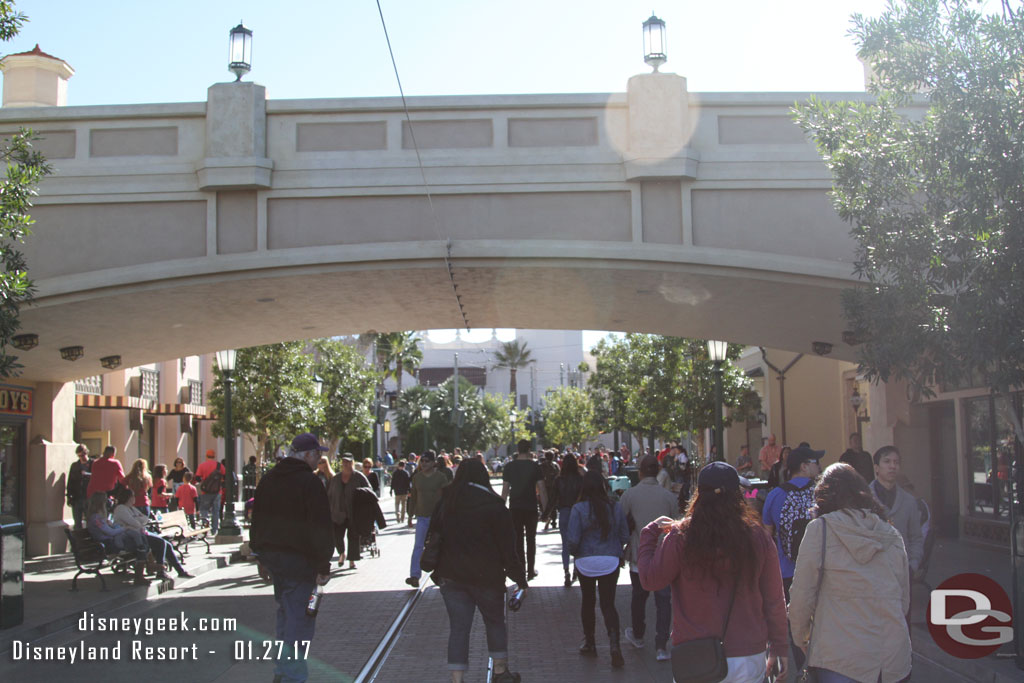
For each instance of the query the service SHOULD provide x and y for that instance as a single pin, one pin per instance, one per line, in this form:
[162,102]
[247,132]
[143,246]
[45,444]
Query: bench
[91,556]
[174,526]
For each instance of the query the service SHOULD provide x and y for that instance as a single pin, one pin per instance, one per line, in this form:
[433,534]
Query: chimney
[35,79]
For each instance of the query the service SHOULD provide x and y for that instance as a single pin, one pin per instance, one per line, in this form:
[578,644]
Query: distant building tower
[35,79]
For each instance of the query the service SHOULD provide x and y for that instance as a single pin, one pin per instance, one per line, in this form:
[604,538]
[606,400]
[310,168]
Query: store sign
[16,401]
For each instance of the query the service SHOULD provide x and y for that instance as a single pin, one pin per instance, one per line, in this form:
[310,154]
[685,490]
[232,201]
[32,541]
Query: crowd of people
[821,566]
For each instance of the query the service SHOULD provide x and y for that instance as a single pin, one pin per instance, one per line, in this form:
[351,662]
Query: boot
[140,579]
[589,647]
[617,661]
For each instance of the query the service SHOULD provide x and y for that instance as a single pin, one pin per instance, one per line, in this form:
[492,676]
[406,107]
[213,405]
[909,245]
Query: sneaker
[663,656]
[638,643]
[588,648]
[506,676]
[413,581]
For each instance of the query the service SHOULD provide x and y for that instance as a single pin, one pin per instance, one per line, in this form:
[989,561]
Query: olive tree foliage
[273,396]
[935,200]
[350,385]
[569,416]
[484,417]
[665,386]
[26,167]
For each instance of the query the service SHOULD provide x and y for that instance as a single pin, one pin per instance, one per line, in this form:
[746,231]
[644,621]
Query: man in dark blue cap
[291,535]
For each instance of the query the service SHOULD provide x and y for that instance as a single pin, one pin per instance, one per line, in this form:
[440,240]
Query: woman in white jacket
[859,630]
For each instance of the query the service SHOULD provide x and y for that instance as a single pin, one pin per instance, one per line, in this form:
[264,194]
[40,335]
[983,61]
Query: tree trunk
[399,448]
[512,386]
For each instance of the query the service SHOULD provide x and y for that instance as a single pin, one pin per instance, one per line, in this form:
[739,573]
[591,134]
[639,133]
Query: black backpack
[212,482]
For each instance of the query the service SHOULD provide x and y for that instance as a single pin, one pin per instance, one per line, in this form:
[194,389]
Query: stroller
[368,519]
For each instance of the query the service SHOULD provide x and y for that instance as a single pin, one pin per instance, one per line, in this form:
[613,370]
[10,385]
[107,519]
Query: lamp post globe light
[239,51]
[226,363]
[716,352]
[425,414]
[655,43]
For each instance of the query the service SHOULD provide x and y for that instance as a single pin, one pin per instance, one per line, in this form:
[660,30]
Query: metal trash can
[12,571]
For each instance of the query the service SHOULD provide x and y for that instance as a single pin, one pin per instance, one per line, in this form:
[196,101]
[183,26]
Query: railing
[90,385]
[150,384]
[195,395]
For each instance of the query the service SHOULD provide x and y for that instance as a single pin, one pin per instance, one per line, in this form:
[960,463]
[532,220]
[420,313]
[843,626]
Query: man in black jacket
[291,534]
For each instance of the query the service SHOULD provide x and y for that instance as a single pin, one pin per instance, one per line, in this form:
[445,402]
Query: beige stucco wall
[814,402]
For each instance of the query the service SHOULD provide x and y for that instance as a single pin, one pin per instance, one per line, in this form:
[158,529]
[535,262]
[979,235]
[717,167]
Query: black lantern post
[226,363]
[716,352]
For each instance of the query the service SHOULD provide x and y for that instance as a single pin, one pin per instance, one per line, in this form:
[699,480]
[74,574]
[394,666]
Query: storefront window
[11,469]
[992,448]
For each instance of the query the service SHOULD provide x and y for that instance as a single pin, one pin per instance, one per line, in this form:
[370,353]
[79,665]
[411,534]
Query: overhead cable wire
[423,174]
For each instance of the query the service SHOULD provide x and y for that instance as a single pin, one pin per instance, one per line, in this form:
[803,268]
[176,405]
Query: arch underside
[171,317]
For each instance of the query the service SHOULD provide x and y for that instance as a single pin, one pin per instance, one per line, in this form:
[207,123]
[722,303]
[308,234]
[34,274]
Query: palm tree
[513,355]
[403,353]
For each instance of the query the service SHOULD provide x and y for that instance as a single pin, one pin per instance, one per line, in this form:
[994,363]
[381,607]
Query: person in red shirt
[160,497]
[718,552]
[107,473]
[186,495]
[209,502]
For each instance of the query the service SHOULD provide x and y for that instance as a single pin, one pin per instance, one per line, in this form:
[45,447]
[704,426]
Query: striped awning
[178,409]
[116,402]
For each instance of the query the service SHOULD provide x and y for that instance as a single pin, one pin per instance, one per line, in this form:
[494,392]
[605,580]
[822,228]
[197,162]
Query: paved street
[359,608]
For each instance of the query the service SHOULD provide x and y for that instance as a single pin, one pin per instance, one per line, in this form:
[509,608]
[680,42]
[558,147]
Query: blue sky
[126,51]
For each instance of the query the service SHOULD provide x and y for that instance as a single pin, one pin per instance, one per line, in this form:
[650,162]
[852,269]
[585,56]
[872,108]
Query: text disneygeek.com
[139,650]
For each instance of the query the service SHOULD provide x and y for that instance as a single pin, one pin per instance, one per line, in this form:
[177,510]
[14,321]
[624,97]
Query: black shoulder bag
[432,545]
[702,660]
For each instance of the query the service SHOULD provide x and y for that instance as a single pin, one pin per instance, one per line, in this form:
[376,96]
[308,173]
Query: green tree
[348,393]
[513,355]
[663,386]
[569,416]
[402,354]
[409,417]
[273,397]
[26,167]
[482,419]
[935,199]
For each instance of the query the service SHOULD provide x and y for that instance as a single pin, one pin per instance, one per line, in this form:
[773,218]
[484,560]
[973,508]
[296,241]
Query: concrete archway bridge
[177,229]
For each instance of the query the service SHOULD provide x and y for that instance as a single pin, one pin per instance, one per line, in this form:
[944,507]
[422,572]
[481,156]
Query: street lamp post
[425,414]
[226,363]
[318,384]
[716,352]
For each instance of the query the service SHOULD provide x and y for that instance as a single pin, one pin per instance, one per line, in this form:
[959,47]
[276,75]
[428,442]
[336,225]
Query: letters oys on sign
[970,616]
[15,400]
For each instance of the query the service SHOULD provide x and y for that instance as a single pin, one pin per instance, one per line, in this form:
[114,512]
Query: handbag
[702,660]
[431,555]
[809,674]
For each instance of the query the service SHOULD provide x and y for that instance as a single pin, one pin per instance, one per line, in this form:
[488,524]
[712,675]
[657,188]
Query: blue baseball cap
[719,476]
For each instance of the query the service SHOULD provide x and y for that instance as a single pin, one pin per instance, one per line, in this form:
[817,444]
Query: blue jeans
[563,529]
[294,581]
[422,525]
[209,505]
[461,599]
[663,605]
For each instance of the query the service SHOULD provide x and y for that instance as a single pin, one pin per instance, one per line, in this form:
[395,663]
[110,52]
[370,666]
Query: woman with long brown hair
[597,533]
[724,572]
[139,482]
[859,630]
